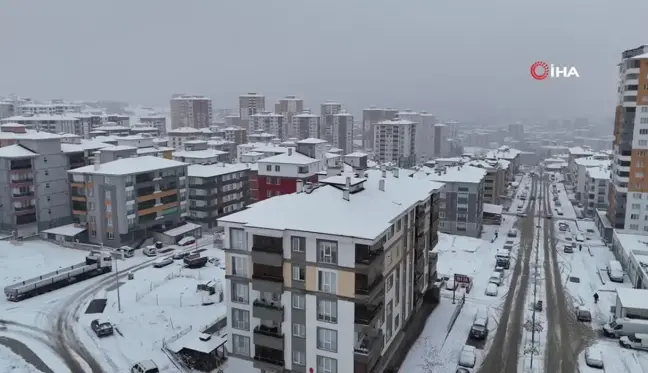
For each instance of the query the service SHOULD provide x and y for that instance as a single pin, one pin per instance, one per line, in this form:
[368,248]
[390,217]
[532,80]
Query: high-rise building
[304,294]
[288,107]
[630,160]
[342,132]
[249,104]
[157,121]
[425,136]
[268,122]
[370,117]
[395,142]
[305,125]
[442,138]
[327,111]
[191,111]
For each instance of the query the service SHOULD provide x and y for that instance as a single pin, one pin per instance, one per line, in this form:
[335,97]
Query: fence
[177,299]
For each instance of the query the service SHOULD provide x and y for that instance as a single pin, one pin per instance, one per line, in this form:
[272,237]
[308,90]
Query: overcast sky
[465,59]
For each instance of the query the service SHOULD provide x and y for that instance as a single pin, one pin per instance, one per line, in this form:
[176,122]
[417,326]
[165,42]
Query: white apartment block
[596,189]
[342,132]
[47,109]
[579,177]
[271,123]
[305,125]
[191,111]
[311,290]
[327,111]
[394,142]
[250,104]
[157,121]
[48,123]
[288,107]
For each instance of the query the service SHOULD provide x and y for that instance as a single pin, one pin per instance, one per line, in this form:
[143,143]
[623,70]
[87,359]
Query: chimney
[96,160]
[384,173]
[346,194]
[395,172]
[381,184]
[289,151]
[300,186]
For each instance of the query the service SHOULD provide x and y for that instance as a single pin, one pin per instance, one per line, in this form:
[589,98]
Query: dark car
[101,329]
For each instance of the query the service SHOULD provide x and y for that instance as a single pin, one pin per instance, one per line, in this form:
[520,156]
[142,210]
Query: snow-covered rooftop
[591,162]
[598,173]
[366,215]
[153,149]
[128,166]
[198,154]
[311,140]
[29,135]
[332,155]
[69,230]
[294,158]
[112,128]
[452,174]
[633,298]
[16,151]
[356,155]
[39,117]
[579,151]
[212,170]
[252,154]
[196,341]
[185,228]
[83,146]
[183,130]
[396,122]
[118,148]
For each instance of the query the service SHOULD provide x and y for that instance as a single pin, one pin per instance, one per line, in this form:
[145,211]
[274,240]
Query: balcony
[366,257]
[143,178]
[366,290]
[23,164]
[367,314]
[268,359]
[267,278]
[270,337]
[267,251]
[148,194]
[367,351]
[266,310]
[23,210]
[22,195]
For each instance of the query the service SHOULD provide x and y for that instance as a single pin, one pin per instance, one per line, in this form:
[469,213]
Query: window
[269,167]
[644,131]
[634,226]
[109,222]
[299,273]
[326,364]
[240,345]
[634,216]
[240,293]
[46,173]
[277,168]
[299,301]
[399,225]
[237,239]
[397,290]
[327,339]
[327,281]
[639,174]
[110,235]
[390,282]
[327,311]
[299,358]
[107,194]
[239,266]
[396,321]
[46,185]
[327,252]
[299,330]
[269,194]
[636,195]
[636,206]
[240,319]
[298,244]
[643,142]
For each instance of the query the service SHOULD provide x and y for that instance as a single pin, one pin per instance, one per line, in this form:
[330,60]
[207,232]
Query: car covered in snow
[583,314]
[468,357]
[180,255]
[451,284]
[594,357]
[637,341]
[462,370]
[146,366]
[162,262]
[101,328]
[491,290]
[512,233]
[187,241]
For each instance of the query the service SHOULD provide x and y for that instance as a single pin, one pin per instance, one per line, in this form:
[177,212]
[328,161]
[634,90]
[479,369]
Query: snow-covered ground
[158,304]
[12,363]
[438,348]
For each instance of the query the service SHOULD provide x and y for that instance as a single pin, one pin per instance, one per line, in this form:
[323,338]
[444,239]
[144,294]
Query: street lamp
[117,256]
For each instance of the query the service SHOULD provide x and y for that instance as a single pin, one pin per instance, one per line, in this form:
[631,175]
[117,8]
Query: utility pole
[117,258]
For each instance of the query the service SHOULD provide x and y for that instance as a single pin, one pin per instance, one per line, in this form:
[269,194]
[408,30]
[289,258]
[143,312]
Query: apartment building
[370,117]
[305,125]
[627,186]
[198,152]
[228,147]
[47,109]
[88,122]
[280,174]
[461,204]
[116,120]
[48,123]
[288,107]
[579,176]
[272,123]
[596,188]
[7,109]
[233,120]
[237,135]
[217,190]
[125,200]
[178,136]
[494,180]
[575,153]
[327,113]
[313,290]
[250,104]
[33,172]
[157,121]
[508,154]
[425,133]
[191,111]
[343,132]
[395,142]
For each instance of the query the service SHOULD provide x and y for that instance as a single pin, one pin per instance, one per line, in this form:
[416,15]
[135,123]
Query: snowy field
[158,304]
[438,347]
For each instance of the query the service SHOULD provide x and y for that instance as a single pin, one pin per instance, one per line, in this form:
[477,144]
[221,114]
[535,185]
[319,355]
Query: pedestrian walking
[596,296]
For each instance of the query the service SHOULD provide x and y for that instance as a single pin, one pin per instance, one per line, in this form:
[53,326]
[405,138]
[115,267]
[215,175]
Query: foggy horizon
[448,59]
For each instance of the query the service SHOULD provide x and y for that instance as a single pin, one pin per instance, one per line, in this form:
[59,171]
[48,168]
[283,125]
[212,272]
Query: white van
[147,366]
[580,238]
[150,250]
[620,327]
[496,278]
[615,271]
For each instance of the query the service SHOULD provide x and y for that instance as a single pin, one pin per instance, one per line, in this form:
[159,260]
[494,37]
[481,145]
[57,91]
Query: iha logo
[541,70]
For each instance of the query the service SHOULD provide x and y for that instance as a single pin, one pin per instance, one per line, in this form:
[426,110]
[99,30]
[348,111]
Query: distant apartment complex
[48,123]
[250,104]
[288,107]
[156,121]
[327,112]
[395,142]
[267,122]
[122,200]
[370,117]
[342,132]
[310,287]
[191,111]
[305,125]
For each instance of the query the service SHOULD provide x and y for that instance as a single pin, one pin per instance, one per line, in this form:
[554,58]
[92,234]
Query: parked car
[491,290]
[462,370]
[512,233]
[468,357]
[594,357]
[583,314]
[549,216]
[162,262]
[150,250]
[521,215]
[180,255]
[496,278]
[637,341]
[187,241]
[568,249]
[101,328]
[146,366]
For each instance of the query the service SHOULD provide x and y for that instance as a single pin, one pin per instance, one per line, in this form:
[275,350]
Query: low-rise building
[596,188]
[125,200]
[311,287]
[178,136]
[579,175]
[631,250]
[575,153]
[198,152]
[236,135]
[48,123]
[279,174]
[495,181]
[217,190]
[156,121]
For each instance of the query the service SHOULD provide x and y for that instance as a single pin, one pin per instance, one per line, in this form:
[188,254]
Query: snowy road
[20,349]
[503,355]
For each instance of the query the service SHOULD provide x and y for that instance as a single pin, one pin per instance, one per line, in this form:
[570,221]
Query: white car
[451,284]
[594,357]
[468,357]
[491,290]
